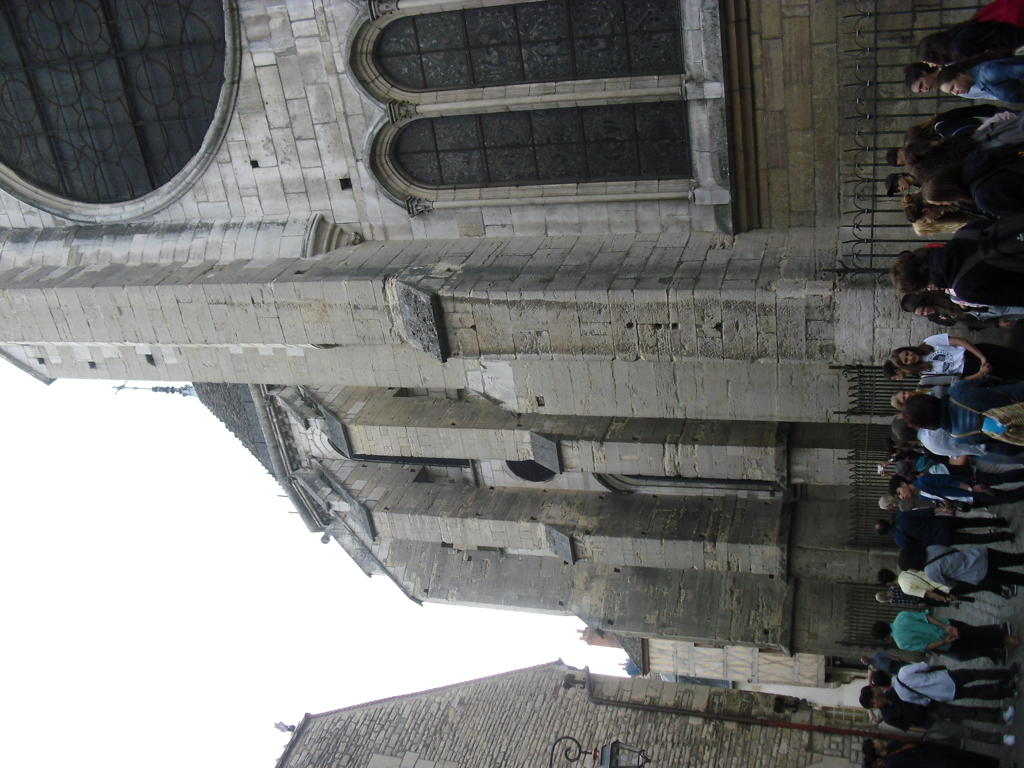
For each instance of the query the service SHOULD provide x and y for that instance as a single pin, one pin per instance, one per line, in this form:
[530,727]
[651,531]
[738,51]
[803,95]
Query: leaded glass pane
[491,26]
[423,167]
[655,49]
[457,132]
[652,15]
[405,69]
[543,21]
[461,168]
[445,69]
[532,42]
[103,101]
[630,141]
[440,31]
[418,136]
[400,37]
[557,126]
[561,162]
[511,165]
[611,123]
[496,64]
[547,60]
[601,56]
[598,17]
[505,129]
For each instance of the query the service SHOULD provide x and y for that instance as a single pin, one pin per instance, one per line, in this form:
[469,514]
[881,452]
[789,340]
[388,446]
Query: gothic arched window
[599,143]
[532,42]
[104,101]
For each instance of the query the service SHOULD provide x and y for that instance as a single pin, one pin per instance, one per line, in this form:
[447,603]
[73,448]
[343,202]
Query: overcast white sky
[162,607]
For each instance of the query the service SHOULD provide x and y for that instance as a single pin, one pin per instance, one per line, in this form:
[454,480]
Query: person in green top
[922,632]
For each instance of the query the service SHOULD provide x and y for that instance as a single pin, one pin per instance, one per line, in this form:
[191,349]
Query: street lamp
[614,755]
[619,755]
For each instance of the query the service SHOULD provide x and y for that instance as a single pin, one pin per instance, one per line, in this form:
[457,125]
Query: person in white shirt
[920,684]
[942,359]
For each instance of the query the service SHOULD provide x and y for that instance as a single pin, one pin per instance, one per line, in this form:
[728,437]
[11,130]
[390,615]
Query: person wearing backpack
[981,264]
[982,568]
[981,411]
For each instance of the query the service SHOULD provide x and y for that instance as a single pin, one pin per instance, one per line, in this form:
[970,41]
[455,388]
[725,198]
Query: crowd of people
[962,172]
[957,450]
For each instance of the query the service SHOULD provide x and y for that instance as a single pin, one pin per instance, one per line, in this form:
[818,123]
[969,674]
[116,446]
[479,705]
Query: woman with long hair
[968,39]
[933,218]
[953,357]
[940,309]
[922,158]
[943,187]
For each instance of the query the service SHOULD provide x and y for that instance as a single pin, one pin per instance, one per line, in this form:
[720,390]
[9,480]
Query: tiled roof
[635,648]
[234,406]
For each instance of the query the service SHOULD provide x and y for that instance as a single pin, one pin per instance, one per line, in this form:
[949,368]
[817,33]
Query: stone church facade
[522,309]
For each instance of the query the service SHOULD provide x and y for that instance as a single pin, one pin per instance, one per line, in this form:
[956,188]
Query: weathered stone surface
[512,720]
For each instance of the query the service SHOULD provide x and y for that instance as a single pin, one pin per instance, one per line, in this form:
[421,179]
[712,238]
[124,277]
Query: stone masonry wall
[718,533]
[511,720]
[820,548]
[785,98]
[615,327]
[738,608]
[380,422]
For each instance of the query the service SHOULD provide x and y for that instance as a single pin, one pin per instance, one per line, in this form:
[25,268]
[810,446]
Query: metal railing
[869,391]
[860,611]
[867,449]
[879,39]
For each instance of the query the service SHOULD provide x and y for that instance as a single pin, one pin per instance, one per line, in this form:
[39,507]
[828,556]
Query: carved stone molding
[380,8]
[323,236]
[400,111]
[415,206]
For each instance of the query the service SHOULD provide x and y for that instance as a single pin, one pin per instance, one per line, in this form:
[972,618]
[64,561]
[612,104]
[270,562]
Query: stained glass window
[532,42]
[606,143]
[103,101]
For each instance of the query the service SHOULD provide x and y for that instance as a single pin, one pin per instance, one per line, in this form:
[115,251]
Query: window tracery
[108,108]
[609,142]
[555,40]
[467,89]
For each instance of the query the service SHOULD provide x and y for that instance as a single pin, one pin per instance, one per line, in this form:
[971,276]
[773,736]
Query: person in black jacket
[989,181]
[946,268]
[968,39]
[962,121]
[938,717]
[901,754]
[923,526]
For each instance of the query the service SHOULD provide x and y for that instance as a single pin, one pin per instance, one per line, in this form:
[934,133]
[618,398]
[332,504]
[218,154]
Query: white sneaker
[1009,740]
[1008,715]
